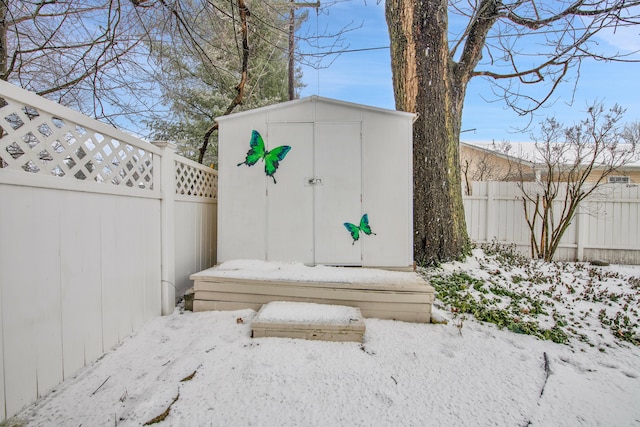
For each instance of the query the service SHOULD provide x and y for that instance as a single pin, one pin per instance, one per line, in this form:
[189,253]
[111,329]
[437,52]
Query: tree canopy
[80,53]
[173,64]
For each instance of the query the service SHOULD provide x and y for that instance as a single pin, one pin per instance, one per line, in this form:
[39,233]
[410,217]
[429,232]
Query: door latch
[314,181]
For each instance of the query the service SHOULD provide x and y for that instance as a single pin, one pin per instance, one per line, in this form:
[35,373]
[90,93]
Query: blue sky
[365,77]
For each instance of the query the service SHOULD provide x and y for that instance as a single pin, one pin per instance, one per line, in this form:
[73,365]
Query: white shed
[346,164]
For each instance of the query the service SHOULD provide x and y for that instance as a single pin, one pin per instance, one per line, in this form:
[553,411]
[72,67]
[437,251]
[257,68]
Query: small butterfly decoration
[271,158]
[355,230]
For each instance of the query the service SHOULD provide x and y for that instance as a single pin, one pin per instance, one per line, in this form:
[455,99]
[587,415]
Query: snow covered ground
[463,373]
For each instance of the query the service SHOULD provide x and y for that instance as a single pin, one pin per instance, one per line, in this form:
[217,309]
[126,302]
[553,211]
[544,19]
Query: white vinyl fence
[99,232]
[607,226]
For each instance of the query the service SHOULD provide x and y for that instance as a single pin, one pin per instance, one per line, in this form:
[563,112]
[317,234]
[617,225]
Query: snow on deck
[294,272]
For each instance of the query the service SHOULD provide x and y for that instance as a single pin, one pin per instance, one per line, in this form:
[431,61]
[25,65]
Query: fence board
[44,303]
[634,226]
[112,298]
[4,225]
[606,226]
[17,317]
[185,244]
[152,247]
[3,414]
[81,291]
[135,294]
[195,242]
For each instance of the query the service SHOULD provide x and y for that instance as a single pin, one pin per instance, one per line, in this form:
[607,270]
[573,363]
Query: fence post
[167,226]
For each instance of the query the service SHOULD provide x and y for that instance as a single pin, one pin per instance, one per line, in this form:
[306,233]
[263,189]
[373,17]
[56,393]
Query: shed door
[290,201]
[337,166]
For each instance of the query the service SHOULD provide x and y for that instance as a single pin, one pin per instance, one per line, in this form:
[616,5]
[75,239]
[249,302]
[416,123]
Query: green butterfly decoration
[271,158]
[355,230]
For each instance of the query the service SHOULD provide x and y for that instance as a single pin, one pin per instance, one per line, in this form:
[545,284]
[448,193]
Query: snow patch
[460,374]
[305,312]
[281,271]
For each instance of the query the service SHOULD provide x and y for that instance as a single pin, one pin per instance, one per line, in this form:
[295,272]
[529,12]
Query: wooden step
[309,321]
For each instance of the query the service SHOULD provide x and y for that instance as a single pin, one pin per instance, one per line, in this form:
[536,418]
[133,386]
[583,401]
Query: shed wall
[241,193]
[260,219]
[388,189]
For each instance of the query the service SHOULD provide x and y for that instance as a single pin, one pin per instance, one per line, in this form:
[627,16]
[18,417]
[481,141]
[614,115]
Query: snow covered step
[308,321]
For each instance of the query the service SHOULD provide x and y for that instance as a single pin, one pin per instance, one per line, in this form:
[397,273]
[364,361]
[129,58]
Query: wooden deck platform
[398,296]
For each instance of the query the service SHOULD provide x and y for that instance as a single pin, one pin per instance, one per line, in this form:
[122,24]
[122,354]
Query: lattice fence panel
[196,181]
[34,141]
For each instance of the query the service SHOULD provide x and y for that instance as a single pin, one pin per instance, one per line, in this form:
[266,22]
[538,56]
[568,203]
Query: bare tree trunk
[424,77]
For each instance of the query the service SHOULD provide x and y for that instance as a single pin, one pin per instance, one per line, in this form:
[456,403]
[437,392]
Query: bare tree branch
[560,33]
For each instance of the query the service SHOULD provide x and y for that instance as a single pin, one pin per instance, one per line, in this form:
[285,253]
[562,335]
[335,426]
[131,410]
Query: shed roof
[315,99]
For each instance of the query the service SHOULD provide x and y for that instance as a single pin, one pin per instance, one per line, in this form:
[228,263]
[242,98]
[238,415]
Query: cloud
[625,39]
